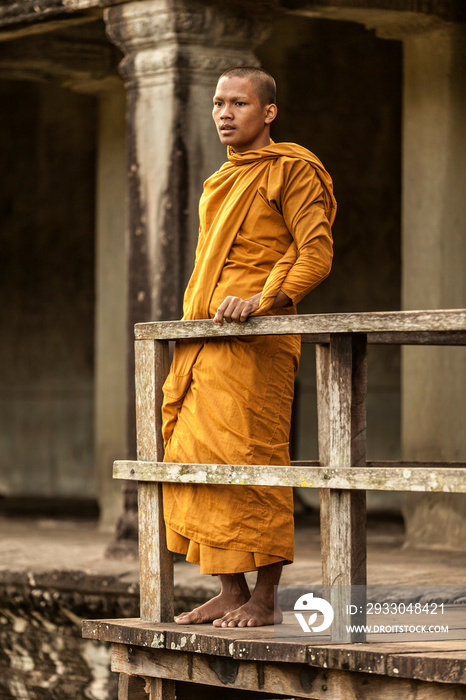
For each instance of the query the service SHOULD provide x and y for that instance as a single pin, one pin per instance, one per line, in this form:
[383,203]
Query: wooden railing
[342,473]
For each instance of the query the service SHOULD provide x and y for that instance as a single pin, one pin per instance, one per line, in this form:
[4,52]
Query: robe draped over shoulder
[265,226]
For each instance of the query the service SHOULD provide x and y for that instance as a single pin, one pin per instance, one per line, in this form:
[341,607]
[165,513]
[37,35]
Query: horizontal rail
[407,477]
[399,338]
[381,322]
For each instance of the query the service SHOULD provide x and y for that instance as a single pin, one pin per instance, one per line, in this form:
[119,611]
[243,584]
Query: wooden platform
[252,659]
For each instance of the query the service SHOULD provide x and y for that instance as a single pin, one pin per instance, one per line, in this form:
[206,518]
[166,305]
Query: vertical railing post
[131,687]
[155,561]
[341,394]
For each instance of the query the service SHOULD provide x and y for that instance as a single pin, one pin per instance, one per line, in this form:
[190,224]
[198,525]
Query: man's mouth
[226,127]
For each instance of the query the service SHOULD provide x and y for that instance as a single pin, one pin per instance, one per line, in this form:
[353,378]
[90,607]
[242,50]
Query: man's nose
[225,113]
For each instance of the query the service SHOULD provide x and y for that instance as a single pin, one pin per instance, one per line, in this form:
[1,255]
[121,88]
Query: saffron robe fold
[265,226]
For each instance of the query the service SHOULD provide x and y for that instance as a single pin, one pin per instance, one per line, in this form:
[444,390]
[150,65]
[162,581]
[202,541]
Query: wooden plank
[298,680]
[323,405]
[447,666]
[206,640]
[152,366]
[398,338]
[155,561]
[131,687]
[256,644]
[315,338]
[195,639]
[418,338]
[323,374]
[289,650]
[135,686]
[427,661]
[311,324]
[358,657]
[389,464]
[160,689]
[341,387]
[428,478]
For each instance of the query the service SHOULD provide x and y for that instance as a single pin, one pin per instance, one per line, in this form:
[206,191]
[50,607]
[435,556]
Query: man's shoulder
[293,154]
[298,170]
[288,149]
[292,162]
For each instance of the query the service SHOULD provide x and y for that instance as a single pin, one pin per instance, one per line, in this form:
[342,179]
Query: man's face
[241,121]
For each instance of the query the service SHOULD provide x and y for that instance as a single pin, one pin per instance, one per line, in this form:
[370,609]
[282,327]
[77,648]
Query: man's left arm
[303,210]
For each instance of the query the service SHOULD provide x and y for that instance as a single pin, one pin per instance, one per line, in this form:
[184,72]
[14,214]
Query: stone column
[174,52]
[434,265]
[110,322]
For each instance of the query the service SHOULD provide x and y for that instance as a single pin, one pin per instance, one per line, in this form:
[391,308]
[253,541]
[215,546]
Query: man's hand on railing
[237,310]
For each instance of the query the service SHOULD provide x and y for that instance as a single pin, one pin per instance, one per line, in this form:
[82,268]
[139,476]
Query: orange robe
[265,221]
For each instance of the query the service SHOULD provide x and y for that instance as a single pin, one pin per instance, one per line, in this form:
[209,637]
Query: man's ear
[271,113]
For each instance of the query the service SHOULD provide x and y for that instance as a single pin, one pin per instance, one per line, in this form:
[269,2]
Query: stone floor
[54,573]
[46,545]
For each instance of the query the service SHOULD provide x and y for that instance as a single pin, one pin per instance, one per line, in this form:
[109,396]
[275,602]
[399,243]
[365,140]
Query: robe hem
[233,545]
[197,553]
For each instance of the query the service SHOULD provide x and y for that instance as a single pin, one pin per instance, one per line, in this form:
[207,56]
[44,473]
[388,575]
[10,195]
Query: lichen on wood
[425,477]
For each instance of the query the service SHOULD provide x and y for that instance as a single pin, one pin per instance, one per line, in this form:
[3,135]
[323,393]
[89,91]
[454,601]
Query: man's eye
[240,104]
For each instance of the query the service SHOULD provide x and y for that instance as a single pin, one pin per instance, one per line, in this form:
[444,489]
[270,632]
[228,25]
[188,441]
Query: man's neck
[263,143]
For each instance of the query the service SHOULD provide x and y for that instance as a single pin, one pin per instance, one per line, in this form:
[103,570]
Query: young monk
[265,242]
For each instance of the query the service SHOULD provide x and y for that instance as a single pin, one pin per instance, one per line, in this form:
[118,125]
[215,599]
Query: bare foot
[262,608]
[251,614]
[234,593]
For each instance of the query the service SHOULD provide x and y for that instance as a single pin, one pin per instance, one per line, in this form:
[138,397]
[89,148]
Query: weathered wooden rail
[342,474]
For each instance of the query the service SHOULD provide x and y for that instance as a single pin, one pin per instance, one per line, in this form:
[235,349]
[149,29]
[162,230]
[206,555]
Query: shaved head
[264,84]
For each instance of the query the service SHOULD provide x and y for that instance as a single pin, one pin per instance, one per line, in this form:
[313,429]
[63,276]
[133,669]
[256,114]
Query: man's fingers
[233,310]
[222,312]
[229,311]
[236,311]
[245,313]
[218,318]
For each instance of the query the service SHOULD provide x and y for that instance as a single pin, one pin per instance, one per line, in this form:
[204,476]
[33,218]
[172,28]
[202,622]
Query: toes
[183,620]
[240,618]
[183,614]
[190,618]
[227,622]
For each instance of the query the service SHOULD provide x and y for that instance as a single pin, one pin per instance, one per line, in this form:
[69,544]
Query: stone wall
[42,654]
[47,150]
